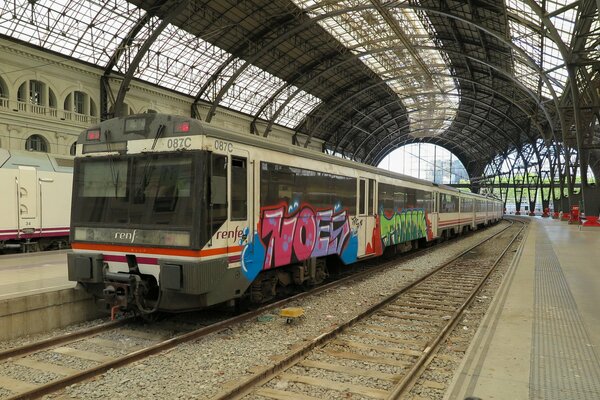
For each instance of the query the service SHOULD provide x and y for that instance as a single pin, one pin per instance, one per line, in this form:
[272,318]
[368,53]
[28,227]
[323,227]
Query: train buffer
[291,313]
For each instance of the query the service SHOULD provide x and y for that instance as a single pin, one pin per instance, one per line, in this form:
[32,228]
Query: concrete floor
[541,338]
[26,274]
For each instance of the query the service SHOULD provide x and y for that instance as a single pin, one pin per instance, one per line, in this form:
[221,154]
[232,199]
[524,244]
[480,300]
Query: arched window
[36,143]
[73,149]
[35,96]
[3,94]
[80,103]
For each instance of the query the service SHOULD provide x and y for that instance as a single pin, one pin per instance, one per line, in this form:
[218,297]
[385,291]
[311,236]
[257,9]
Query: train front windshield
[150,192]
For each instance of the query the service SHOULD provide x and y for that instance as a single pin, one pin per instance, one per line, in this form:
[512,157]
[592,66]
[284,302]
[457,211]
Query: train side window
[371,208]
[362,191]
[218,191]
[239,188]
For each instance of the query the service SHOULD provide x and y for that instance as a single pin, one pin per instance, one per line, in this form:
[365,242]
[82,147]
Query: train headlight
[83,234]
[172,238]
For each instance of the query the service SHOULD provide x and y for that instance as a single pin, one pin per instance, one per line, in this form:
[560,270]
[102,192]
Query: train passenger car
[459,211]
[36,200]
[171,214]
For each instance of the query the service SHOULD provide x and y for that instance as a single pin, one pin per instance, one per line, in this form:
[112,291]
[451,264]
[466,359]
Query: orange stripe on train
[155,250]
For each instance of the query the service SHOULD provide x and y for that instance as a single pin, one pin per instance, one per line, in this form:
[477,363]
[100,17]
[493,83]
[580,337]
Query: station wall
[46,100]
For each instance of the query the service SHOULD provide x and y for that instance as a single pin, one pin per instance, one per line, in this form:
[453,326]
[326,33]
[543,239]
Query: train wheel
[30,247]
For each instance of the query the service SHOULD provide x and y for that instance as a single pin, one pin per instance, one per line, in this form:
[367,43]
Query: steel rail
[416,370]
[290,359]
[198,333]
[66,338]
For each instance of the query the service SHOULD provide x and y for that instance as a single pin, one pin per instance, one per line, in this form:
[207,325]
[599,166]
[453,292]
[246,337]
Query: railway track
[382,352]
[117,344]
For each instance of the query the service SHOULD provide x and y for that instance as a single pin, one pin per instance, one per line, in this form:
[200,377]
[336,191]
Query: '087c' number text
[223,146]
[179,143]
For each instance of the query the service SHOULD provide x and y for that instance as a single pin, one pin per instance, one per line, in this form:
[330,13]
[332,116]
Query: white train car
[170,213]
[36,200]
[460,212]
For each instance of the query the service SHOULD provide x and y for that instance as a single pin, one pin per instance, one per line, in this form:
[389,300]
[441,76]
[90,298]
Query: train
[172,214]
[36,200]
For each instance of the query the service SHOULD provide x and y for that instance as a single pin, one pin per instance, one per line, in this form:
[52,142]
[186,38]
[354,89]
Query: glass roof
[395,43]
[86,30]
[525,31]
[93,30]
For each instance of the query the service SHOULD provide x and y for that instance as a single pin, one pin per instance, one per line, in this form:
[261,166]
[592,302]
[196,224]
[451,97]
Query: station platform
[36,296]
[541,336]
[32,273]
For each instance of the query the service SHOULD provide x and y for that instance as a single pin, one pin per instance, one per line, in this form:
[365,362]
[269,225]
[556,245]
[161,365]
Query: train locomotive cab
[142,222]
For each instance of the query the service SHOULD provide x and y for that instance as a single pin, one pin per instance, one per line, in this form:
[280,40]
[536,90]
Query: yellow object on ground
[291,313]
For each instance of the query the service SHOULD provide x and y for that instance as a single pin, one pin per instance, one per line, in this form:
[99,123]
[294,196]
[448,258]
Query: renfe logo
[232,234]
[126,236]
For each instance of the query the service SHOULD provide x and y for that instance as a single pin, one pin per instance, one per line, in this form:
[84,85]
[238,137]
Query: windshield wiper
[159,133]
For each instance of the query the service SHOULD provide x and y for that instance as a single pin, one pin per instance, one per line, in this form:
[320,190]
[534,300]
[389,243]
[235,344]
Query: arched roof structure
[478,77]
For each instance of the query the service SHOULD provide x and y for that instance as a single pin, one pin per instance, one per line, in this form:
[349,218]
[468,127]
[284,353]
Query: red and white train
[172,214]
[35,199]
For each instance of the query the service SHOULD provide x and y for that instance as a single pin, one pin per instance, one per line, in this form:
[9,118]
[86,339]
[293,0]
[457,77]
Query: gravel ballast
[203,368]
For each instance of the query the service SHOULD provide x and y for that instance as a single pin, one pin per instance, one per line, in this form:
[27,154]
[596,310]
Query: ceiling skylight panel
[87,30]
[593,41]
[565,23]
[176,60]
[294,112]
[527,39]
[129,52]
[554,64]
[522,10]
[251,89]
[526,74]
[404,68]
[550,59]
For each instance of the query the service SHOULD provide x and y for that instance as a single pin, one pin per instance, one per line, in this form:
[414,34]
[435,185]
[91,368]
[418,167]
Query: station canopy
[478,77]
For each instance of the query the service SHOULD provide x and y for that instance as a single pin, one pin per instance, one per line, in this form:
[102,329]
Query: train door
[434,215]
[28,200]
[230,201]
[365,220]
[241,202]
[217,202]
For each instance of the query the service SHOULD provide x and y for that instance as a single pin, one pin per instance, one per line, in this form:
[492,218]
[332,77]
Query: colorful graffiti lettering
[404,225]
[302,235]
[285,237]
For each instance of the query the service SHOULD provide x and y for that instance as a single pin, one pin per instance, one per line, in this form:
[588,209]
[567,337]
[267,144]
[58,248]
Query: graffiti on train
[292,234]
[404,225]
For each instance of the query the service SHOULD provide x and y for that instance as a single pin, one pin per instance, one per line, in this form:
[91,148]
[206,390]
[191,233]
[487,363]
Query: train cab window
[172,183]
[239,188]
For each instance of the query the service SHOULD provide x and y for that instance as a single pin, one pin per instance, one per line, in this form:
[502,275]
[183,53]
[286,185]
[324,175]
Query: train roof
[13,159]
[114,130]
